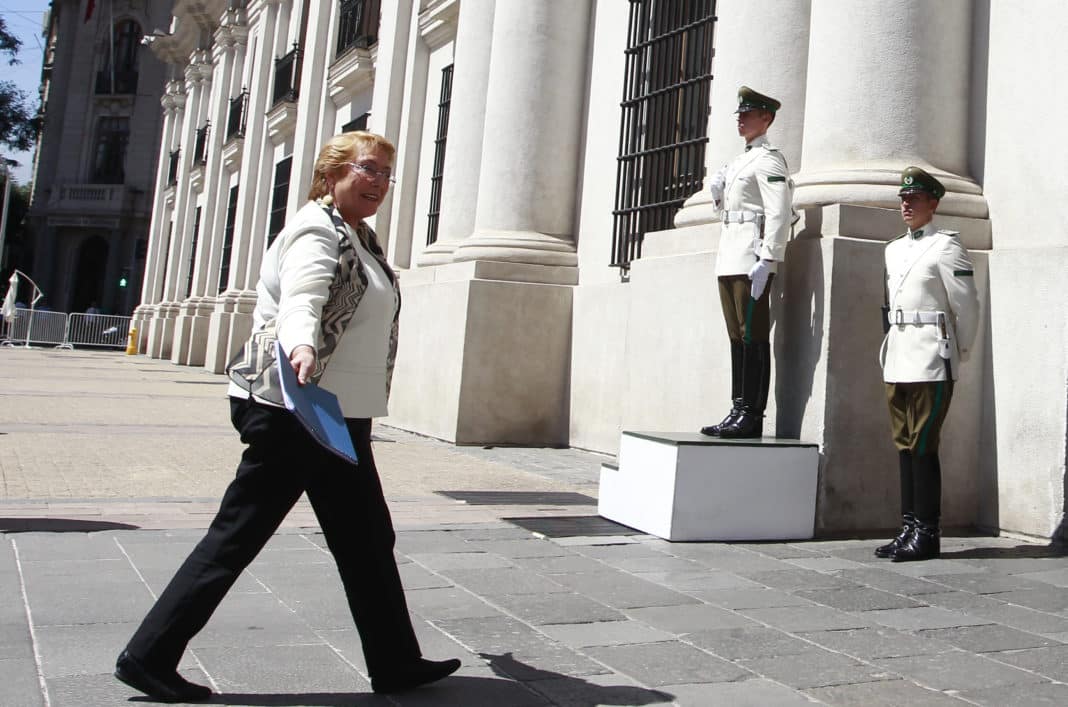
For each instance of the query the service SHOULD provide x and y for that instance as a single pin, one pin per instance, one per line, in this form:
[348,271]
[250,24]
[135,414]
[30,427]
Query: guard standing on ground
[932,318]
[754,193]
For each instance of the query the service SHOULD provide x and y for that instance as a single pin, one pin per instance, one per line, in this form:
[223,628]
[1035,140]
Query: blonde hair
[340,150]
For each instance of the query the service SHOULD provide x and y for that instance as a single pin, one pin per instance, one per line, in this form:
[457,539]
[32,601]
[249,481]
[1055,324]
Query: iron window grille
[236,116]
[193,253]
[172,167]
[200,145]
[228,240]
[356,124]
[287,76]
[438,172]
[357,24]
[279,196]
[664,121]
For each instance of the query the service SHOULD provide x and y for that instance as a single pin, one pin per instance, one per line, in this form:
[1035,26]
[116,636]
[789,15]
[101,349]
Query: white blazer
[756,182]
[928,275]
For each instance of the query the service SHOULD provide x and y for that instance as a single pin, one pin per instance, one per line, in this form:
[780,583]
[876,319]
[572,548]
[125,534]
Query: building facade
[94,172]
[556,246]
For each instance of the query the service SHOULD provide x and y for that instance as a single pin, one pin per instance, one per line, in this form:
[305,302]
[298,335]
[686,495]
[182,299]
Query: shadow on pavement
[577,691]
[311,699]
[59,525]
[1008,553]
[571,526]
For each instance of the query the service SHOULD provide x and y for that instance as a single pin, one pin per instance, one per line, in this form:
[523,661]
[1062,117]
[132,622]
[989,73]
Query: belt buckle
[899,317]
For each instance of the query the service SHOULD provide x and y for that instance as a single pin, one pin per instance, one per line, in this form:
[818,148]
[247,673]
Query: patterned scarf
[254,370]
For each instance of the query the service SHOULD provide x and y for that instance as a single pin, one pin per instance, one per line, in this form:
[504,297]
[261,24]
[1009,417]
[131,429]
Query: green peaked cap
[748,100]
[914,179]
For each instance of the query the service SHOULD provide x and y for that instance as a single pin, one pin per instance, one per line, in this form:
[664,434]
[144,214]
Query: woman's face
[360,185]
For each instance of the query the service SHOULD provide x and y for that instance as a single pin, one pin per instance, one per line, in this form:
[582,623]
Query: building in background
[95,167]
[557,248]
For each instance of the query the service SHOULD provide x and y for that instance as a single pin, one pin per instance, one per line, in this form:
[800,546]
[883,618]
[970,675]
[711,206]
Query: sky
[25,20]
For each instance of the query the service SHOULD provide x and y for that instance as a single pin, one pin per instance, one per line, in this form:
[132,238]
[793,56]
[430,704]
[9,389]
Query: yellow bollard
[131,343]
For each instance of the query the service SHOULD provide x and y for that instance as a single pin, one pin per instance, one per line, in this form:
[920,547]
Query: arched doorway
[89,274]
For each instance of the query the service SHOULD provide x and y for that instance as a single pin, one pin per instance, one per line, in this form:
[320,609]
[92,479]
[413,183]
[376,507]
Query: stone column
[888,86]
[310,103]
[231,322]
[529,170]
[467,115]
[387,95]
[772,60]
[160,224]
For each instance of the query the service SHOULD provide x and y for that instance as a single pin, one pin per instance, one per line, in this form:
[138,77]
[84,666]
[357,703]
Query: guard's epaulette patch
[777,179]
[963,273]
[948,232]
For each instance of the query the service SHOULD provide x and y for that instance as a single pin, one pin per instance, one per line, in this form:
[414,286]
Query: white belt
[742,217]
[901,317]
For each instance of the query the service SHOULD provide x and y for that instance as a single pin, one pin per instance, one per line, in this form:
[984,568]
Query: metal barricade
[33,326]
[99,330]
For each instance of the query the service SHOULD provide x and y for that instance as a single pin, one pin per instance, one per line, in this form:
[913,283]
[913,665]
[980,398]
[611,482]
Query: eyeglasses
[369,173]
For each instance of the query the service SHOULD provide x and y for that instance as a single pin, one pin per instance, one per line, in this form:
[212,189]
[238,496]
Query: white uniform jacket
[754,184]
[929,281]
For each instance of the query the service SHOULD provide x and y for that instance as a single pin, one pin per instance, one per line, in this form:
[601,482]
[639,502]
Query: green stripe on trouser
[921,448]
[748,337]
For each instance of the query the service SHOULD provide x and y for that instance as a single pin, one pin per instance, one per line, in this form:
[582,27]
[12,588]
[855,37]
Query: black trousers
[282,461]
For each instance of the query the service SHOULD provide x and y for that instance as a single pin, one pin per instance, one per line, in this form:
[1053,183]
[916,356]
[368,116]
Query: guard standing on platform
[753,192]
[932,317]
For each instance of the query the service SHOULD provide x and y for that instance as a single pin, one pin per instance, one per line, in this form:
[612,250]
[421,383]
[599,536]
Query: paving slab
[1050,662]
[564,608]
[622,591]
[957,670]
[754,692]
[858,599]
[878,642]
[690,618]
[886,693]
[755,642]
[989,638]
[668,663]
[798,619]
[923,617]
[815,667]
[605,633]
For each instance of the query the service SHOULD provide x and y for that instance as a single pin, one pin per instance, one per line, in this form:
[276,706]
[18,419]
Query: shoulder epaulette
[946,231]
[897,238]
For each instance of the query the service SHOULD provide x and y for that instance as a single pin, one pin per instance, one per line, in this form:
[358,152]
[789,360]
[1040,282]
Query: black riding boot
[908,516]
[756,377]
[924,543]
[736,392]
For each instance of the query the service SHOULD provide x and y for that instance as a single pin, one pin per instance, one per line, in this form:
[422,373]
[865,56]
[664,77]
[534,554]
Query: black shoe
[418,673]
[162,687]
[714,430]
[747,426]
[922,544]
[908,523]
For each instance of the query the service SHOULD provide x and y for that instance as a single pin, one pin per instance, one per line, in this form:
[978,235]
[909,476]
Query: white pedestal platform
[686,486]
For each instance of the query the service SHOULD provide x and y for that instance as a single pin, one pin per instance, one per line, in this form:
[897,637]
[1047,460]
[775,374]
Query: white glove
[758,275]
[716,185]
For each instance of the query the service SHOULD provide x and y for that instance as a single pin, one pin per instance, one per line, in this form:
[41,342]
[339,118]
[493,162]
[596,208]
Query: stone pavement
[110,466]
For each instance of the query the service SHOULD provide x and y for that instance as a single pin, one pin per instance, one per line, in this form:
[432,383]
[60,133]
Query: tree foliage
[18,122]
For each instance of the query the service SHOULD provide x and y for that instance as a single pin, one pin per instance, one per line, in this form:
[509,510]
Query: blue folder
[317,409]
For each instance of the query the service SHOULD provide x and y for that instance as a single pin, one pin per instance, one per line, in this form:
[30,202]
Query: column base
[161,330]
[878,186]
[698,210]
[484,359]
[142,316]
[228,328]
[436,254]
[518,247]
[191,331]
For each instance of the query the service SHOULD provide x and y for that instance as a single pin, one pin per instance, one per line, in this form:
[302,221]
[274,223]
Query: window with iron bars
[664,121]
[279,195]
[357,24]
[235,118]
[287,76]
[200,145]
[228,240]
[438,172]
[193,252]
[172,167]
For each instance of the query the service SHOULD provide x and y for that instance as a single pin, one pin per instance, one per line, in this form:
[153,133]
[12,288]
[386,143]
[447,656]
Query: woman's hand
[302,358]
